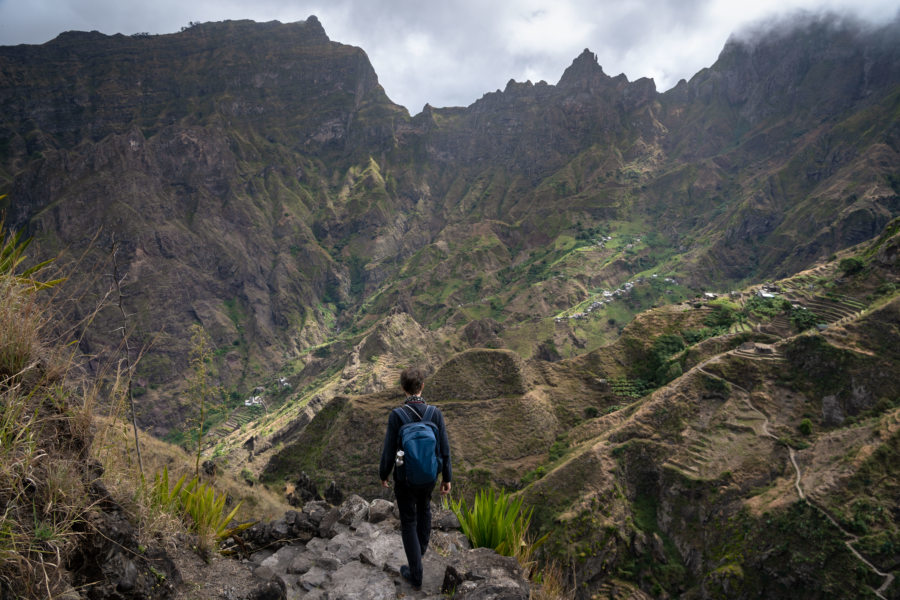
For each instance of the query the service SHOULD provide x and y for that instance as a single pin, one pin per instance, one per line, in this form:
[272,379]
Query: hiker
[411,474]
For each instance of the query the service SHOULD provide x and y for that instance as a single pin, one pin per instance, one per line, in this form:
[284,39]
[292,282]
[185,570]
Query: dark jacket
[392,441]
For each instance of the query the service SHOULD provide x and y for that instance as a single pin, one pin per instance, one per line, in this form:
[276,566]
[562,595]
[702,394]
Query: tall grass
[44,438]
[52,447]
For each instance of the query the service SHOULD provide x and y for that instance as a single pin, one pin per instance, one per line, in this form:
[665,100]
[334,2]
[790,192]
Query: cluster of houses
[768,291]
[256,399]
[601,242]
[609,296]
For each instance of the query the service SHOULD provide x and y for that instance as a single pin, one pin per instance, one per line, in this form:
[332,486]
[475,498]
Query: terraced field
[736,431]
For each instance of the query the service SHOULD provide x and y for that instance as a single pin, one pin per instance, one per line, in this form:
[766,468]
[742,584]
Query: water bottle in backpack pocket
[418,440]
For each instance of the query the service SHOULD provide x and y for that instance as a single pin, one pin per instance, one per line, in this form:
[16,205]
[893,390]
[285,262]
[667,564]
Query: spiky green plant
[207,512]
[497,521]
[12,255]
[197,502]
[162,495]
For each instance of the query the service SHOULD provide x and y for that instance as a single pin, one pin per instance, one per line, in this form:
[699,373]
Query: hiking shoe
[407,575]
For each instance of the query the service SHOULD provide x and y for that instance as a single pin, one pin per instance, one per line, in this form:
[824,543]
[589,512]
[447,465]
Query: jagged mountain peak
[584,70]
[798,45]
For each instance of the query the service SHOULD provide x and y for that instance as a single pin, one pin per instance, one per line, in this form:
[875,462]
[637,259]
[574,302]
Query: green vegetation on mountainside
[266,168]
[550,252]
[692,486]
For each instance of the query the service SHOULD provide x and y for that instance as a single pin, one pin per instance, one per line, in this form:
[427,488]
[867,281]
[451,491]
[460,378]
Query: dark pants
[414,504]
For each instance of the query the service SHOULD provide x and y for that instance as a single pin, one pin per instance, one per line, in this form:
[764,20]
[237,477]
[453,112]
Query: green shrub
[852,265]
[720,316]
[534,475]
[885,289]
[672,371]
[667,345]
[692,336]
[804,319]
[805,427]
[765,307]
[558,449]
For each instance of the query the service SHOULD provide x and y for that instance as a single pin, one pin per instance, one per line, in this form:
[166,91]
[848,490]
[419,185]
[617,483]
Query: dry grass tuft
[550,583]
[53,450]
[43,442]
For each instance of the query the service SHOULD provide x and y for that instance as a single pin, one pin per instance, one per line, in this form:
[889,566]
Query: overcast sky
[451,53]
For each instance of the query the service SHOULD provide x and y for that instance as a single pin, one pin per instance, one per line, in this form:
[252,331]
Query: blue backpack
[419,440]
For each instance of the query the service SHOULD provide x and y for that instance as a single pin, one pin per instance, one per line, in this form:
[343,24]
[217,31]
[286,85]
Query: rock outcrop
[350,551]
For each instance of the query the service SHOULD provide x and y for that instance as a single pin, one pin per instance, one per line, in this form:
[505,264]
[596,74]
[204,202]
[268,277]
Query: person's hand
[445,488]
[385,484]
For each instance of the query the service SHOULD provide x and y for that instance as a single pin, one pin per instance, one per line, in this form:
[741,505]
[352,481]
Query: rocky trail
[351,551]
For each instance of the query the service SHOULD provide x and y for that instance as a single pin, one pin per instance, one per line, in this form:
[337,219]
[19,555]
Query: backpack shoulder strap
[429,413]
[404,416]
[405,411]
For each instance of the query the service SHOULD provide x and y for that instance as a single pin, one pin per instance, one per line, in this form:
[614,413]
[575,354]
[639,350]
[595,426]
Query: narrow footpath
[850,538]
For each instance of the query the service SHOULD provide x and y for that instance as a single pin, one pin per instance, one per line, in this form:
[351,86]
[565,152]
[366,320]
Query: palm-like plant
[199,503]
[12,255]
[497,521]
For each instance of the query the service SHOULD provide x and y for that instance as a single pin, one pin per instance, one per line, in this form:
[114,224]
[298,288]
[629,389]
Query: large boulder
[355,580]
[482,574]
[110,562]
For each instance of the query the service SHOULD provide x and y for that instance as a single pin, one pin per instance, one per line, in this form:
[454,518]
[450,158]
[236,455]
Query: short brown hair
[412,380]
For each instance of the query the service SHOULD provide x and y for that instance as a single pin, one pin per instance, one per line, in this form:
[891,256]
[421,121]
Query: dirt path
[850,539]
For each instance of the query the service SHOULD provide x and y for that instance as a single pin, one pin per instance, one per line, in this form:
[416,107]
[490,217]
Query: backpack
[418,440]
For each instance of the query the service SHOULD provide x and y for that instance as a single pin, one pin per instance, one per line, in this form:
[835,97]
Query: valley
[668,321]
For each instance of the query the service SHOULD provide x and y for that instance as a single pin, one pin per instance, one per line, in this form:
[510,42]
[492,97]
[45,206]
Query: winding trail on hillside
[850,538]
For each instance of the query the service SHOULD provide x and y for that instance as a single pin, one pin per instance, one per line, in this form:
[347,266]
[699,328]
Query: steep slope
[191,158]
[258,181]
[800,125]
[763,466]
[745,475]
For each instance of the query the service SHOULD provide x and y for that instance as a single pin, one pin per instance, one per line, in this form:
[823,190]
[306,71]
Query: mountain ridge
[710,484]
[595,258]
[276,195]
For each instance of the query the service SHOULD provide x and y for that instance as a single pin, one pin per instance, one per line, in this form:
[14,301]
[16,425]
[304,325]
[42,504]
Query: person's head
[412,380]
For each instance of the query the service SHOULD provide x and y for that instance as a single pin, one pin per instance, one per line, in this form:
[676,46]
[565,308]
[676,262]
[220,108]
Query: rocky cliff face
[258,181]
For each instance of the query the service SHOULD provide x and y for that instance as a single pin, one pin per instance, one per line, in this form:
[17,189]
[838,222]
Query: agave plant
[12,254]
[197,501]
[497,521]
[162,495]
